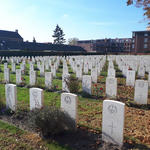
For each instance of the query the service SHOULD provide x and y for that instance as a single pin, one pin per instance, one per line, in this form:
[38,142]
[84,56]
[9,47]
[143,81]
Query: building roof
[106,40]
[84,41]
[10,34]
[142,31]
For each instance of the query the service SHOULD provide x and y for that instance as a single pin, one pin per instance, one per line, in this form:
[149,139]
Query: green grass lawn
[89,109]
[13,138]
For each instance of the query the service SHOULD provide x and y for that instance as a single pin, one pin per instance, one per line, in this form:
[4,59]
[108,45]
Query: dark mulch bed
[82,139]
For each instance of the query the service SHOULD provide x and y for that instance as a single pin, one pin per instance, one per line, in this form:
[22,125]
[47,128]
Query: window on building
[133,34]
[93,41]
[133,40]
[145,39]
[132,45]
[145,34]
[145,45]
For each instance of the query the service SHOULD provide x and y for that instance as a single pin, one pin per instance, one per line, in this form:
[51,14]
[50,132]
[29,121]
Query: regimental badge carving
[141,84]
[68,100]
[112,109]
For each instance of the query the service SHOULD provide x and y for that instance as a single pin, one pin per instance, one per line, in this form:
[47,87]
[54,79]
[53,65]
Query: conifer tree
[58,35]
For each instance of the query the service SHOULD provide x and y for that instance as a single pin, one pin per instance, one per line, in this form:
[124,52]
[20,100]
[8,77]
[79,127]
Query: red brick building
[86,44]
[141,41]
[107,45]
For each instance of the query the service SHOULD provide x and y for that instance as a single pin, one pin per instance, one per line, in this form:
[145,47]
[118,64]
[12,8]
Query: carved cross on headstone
[112,127]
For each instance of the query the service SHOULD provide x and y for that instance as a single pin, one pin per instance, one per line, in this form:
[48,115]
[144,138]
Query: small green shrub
[119,75]
[2,108]
[50,121]
[26,72]
[104,74]
[73,84]
[61,66]
[36,68]
[2,105]
[21,112]
[4,61]
[39,83]
[13,72]
[86,95]
[0,69]
[6,111]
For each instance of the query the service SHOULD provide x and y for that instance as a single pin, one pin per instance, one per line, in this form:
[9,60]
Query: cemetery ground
[15,134]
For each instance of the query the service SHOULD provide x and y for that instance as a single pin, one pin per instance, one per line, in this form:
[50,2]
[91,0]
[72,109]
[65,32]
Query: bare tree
[73,41]
[145,4]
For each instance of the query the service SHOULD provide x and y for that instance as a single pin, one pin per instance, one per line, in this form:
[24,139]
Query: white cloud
[65,16]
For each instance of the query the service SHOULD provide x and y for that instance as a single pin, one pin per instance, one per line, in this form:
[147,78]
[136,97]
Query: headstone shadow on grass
[83,139]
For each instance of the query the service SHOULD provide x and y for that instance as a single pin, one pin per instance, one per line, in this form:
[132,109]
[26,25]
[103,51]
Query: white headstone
[111,87]
[124,70]
[94,74]
[36,98]
[42,69]
[113,122]
[48,80]
[5,66]
[11,96]
[46,66]
[111,73]
[7,75]
[13,67]
[141,92]
[65,68]
[79,72]
[69,103]
[53,70]
[87,84]
[31,66]
[64,82]
[86,69]
[23,68]
[32,78]
[130,80]
[141,71]
[18,76]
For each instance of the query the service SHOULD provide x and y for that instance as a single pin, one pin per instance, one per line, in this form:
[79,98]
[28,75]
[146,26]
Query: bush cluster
[73,84]
[50,121]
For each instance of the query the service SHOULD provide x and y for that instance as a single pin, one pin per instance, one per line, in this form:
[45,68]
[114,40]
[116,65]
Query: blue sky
[84,19]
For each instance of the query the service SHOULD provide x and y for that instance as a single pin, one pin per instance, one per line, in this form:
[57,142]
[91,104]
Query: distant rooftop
[106,39]
[10,34]
[142,31]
